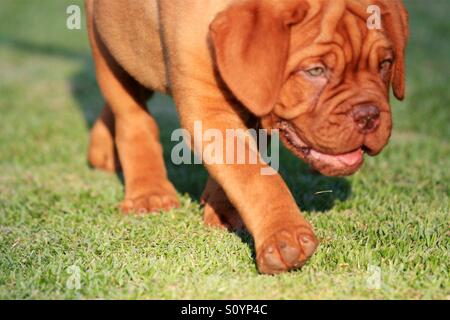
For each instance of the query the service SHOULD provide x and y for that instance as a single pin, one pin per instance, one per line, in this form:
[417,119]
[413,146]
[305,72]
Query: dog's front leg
[283,238]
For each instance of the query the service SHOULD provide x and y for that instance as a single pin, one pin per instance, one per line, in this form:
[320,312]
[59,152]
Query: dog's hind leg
[102,153]
[218,210]
[147,188]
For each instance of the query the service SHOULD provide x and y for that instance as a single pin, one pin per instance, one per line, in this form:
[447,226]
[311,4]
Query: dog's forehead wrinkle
[354,36]
[342,23]
[369,50]
[359,7]
[333,12]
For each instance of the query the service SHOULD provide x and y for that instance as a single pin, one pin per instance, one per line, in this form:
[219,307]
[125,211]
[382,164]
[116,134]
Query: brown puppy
[311,68]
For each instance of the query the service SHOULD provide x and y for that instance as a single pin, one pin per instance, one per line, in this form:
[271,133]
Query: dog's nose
[366,117]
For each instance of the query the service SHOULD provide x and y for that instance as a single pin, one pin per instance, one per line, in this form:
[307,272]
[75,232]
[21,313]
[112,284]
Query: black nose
[366,117]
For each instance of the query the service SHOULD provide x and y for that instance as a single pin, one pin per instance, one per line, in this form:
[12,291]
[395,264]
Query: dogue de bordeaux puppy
[311,68]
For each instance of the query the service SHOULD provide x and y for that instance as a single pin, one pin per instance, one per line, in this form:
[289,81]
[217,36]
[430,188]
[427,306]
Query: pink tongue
[351,158]
[348,159]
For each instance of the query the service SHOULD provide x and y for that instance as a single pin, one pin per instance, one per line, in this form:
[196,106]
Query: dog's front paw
[150,203]
[287,249]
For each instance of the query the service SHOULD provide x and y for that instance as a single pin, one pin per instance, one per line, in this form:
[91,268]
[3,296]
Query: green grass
[55,212]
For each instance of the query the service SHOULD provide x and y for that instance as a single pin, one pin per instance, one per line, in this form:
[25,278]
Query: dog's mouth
[327,164]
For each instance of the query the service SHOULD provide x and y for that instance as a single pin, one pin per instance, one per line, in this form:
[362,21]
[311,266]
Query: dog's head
[315,70]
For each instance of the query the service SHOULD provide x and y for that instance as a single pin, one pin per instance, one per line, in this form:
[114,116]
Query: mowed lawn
[59,220]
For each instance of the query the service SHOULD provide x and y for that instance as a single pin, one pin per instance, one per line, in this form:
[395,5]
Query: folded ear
[396,26]
[251,43]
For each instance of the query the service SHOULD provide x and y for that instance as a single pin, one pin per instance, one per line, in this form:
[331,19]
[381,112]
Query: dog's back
[130,32]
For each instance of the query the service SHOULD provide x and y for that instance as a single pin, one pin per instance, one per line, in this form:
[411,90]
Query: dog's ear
[251,45]
[396,26]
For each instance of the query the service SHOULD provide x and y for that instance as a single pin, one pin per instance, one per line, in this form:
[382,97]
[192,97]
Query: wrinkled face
[332,104]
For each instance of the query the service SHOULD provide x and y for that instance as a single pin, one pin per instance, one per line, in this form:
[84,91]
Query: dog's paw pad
[286,250]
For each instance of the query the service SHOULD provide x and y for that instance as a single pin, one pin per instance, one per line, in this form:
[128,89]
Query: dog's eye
[316,71]
[386,64]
